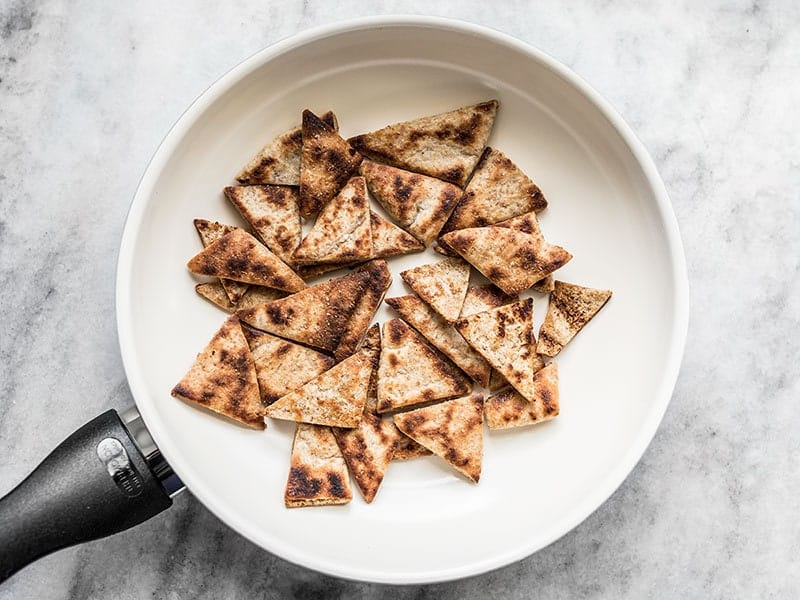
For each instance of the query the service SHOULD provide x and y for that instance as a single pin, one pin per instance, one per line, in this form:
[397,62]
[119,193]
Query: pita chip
[315,316]
[281,366]
[452,430]
[408,449]
[327,163]
[504,337]
[336,397]
[498,190]
[210,232]
[509,409]
[446,146]
[443,285]
[389,240]
[278,162]
[571,307]
[510,259]
[484,297]
[442,336]
[273,213]
[368,450]
[223,378]
[419,204]
[317,472]
[255,294]
[497,381]
[410,372]
[379,281]
[342,231]
[546,285]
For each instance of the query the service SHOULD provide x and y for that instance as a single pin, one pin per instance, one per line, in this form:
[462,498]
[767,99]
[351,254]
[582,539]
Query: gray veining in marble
[87,89]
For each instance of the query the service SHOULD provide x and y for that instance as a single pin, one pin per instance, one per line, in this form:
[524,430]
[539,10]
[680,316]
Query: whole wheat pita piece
[327,162]
[256,294]
[408,449]
[484,297]
[238,255]
[442,285]
[372,345]
[274,214]
[409,372]
[571,308]
[282,366]
[210,232]
[510,409]
[497,381]
[336,397]
[278,162]
[498,190]
[368,450]
[223,378]
[442,336]
[342,231]
[510,259]
[357,325]
[389,240]
[452,430]
[315,316]
[418,203]
[504,337]
[317,472]
[446,146]
[545,285]
[529,223]
[309,272]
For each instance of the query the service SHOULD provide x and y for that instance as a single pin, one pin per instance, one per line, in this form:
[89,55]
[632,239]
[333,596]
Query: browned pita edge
[418,203]
[545,285]
[282,366]
[327,162]
[238,255]
[452,430]
[379,281]
[509,409]
[408,449]
[256,294]
[308,272]
[410,373]
[336,397]
[446,146]
[504,337]
[389,240]
[571,308]
[210,232]
[342,231]
[223,378]
[442,285]
[278,162]
[273,213]
[484,297]
[317,472]
[509,258]
[498,190]
[368,450]
[442,336]
[315,316]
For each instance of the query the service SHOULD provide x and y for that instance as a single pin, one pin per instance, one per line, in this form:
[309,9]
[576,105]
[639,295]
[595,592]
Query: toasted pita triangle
[484,297]
[571,307]
[210,232]
[452,430]
[336,397]
[238,255]
[498,190]
[497,381]
[443,285]
[279,161]
[418,203]
[389,240]
[342,231]
[408,449]
[281,366]
[255,294]
[509,258]
[545,285]
[446,146]
[509,409]
[379,281]
[411,373]
[504,337]
[442,336]
[309,272]
[315,316]
[273,213]
[327,163]
[223,378]
[368,450]
[372,345]
[318,473]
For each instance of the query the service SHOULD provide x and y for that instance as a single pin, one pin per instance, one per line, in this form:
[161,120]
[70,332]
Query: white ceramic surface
[607,206]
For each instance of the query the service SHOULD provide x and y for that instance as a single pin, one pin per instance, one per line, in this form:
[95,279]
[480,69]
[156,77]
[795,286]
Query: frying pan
[608,206]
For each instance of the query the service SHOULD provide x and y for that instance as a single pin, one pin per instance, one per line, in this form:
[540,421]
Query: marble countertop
[711,88]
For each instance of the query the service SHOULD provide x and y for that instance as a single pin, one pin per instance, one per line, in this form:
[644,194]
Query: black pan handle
[95,483]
